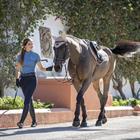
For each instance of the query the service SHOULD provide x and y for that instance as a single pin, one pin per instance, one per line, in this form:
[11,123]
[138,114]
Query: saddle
[96,50]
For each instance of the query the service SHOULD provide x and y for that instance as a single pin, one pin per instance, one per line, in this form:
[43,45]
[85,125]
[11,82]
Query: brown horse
[84,70]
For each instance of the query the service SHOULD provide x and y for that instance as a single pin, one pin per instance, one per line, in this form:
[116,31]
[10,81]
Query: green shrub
[115,103]
[123,102]
[8,102]
[134,102]
[129,102]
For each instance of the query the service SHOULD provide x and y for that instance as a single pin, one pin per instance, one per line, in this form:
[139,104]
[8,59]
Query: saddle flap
[104,55]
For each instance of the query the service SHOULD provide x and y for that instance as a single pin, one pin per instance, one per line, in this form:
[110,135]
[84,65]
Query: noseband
[64,56]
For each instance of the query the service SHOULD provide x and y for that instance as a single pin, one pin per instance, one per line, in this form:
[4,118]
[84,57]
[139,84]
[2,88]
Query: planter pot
[137,108]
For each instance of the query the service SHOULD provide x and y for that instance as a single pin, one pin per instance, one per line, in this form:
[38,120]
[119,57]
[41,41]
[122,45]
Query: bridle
[63,59]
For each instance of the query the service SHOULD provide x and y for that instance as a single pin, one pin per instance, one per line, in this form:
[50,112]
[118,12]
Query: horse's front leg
[85,85]
[84,114]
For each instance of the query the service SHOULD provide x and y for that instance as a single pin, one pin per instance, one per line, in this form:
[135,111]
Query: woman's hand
[49,68]
[41,67]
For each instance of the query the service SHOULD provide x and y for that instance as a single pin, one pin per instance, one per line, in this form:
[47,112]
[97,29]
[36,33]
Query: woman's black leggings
[28,85]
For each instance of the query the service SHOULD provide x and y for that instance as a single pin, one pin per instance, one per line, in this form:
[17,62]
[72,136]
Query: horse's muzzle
[57,68]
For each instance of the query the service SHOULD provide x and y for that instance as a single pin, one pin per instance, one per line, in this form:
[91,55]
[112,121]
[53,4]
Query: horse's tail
[126,48]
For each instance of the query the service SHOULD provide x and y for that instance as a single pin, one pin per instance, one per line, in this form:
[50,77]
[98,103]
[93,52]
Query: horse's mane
[74,38]
[84,42]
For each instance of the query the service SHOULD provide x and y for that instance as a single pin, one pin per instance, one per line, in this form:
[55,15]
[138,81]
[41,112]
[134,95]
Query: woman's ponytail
[22,55]
[25,41]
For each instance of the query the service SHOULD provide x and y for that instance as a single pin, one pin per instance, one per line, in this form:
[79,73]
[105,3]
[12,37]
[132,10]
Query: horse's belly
[101,70]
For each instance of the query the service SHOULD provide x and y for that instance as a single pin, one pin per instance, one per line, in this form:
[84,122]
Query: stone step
[57,115]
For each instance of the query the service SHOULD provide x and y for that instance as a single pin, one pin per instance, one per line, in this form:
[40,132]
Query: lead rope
[65,79]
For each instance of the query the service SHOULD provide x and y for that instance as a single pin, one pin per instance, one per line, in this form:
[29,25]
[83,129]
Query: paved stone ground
[121,128]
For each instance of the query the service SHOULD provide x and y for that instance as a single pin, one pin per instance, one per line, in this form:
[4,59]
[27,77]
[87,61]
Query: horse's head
[61,53]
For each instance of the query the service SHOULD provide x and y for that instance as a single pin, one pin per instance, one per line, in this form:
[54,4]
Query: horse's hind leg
[103,99]
[97,89]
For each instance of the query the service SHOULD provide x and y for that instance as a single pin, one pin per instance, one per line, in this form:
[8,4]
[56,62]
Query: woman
[26,79]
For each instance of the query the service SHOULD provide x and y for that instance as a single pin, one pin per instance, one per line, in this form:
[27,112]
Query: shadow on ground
[44,130]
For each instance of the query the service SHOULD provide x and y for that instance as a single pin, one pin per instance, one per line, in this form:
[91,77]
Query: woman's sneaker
[20,125]
[34,124]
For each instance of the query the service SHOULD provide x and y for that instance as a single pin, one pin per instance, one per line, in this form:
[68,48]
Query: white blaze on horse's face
[58,44]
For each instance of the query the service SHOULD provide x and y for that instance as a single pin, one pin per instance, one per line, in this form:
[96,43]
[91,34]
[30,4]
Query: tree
[17,20]
[105,21]
[118,85]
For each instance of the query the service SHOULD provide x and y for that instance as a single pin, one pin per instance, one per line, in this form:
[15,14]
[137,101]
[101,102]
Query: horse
[84,69]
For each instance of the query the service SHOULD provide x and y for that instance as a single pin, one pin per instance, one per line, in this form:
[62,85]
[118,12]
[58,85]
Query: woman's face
[29,46]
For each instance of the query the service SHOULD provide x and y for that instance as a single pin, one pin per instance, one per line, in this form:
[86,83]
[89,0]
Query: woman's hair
[25,41]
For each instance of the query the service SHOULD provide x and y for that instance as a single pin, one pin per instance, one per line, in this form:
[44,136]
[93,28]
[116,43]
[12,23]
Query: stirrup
[99,59]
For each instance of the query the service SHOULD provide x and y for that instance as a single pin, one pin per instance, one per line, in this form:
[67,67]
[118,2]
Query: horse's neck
[74,54]
[75,50]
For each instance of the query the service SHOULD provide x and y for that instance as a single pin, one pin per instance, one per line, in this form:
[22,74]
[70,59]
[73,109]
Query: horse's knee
[79,99]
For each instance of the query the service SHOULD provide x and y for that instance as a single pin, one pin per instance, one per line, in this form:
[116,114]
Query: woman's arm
[18,66]
[40,66]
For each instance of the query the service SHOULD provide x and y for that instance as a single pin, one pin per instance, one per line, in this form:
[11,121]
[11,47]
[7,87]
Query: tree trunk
[119,87]
[138,94]
[132,85]
[1,90]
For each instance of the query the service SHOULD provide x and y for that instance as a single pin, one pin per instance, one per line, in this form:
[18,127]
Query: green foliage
[17,20]
[129,102]
[9,103]
[134,102]
[115,103]
[38,104]
[105,21]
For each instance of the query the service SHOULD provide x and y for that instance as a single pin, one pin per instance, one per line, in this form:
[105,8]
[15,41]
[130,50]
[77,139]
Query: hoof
[98,123]
[104,120]
[83,124]
[76,123]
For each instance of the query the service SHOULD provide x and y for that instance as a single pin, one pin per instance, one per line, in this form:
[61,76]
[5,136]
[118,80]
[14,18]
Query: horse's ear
[63,35]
